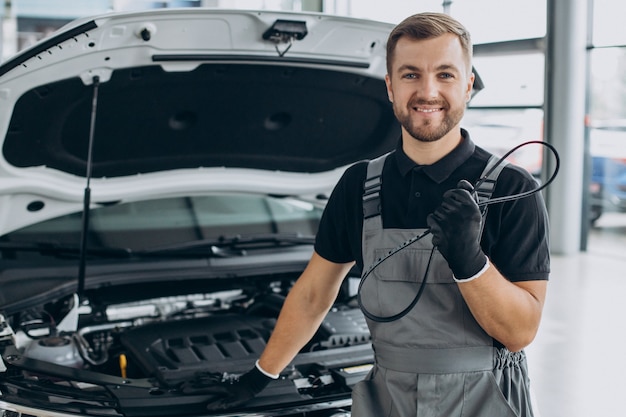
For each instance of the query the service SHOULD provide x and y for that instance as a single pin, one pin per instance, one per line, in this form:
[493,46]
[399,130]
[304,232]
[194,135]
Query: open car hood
[177,101]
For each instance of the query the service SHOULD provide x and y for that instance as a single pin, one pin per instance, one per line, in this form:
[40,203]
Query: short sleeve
[339,235]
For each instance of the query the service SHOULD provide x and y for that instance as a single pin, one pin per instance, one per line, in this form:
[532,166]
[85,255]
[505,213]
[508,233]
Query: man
[458,351]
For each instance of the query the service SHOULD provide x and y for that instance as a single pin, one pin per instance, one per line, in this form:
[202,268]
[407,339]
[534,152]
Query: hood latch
[285,32]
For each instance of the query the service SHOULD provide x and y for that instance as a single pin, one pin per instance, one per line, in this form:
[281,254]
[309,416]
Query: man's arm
[509,312]
[305,307]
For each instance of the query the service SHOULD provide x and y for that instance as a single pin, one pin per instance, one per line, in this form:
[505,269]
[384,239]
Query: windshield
[148,224]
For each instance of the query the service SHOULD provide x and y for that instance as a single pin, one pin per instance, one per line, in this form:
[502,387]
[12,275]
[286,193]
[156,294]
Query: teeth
[427,110]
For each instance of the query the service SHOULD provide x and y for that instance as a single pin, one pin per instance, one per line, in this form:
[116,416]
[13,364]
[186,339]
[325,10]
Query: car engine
[167,340]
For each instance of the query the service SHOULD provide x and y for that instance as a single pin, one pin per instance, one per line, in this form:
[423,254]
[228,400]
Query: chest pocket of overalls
[393,285]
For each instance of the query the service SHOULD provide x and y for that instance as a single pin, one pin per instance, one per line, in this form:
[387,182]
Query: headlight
[10,413]
[10,410]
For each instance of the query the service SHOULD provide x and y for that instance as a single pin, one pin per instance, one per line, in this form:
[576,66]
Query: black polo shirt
[515,235]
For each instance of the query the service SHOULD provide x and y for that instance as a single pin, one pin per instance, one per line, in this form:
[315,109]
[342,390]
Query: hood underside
[237,115]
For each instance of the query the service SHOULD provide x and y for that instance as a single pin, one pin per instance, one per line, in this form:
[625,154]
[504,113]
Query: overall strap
[373,183]
[371,192]
[485,189]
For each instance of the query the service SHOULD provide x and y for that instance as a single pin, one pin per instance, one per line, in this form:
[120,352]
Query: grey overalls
[436,361]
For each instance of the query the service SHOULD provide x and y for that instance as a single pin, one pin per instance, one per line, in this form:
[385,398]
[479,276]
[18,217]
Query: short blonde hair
[428,25]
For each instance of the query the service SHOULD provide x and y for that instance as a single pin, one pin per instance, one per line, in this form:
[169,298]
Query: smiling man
[451,313]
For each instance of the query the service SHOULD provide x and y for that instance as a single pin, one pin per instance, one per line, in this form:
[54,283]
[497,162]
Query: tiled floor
[577,365]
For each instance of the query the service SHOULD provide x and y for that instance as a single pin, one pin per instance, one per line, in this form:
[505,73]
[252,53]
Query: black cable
[405,311]
[526,193]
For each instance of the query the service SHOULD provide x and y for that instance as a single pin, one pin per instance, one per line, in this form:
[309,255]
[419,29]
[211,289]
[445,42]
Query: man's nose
[428,87]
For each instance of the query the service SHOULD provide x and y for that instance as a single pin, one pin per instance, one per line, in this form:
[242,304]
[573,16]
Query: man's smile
[425,110]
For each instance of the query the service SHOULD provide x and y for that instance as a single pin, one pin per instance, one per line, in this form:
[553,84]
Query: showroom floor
[576,363]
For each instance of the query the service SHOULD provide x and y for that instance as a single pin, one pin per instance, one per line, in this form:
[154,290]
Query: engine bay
[167,340]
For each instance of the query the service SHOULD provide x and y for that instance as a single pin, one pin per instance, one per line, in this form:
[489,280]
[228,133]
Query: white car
[161,181]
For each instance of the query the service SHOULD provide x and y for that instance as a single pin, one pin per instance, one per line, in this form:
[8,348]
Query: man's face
[429,86]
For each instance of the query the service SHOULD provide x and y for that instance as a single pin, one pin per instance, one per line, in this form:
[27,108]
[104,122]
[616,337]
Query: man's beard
[427,131]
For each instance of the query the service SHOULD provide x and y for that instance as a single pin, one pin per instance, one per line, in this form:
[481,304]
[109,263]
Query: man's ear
[388,83]
[470,86]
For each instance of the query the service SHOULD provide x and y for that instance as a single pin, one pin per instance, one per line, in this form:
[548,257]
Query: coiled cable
[405,311]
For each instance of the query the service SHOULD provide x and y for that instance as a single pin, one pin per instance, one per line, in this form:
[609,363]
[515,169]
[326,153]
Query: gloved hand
[227,392]
[456,229]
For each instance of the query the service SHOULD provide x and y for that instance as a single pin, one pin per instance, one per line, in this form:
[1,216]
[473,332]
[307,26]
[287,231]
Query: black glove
[456,230]
[228,392]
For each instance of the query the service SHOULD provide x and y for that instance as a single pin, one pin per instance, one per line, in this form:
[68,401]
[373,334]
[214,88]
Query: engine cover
[175,350]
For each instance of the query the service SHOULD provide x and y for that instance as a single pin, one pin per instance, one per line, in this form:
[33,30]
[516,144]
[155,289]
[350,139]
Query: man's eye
[410,76]
[446,75]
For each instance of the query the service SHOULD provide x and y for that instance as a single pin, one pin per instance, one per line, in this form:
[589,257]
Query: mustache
[422,102]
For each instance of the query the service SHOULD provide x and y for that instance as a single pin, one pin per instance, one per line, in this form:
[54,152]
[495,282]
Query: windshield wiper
[221,247]
[226,246]
[64,250]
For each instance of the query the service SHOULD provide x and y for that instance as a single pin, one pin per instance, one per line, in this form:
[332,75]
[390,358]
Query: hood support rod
[87,195]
